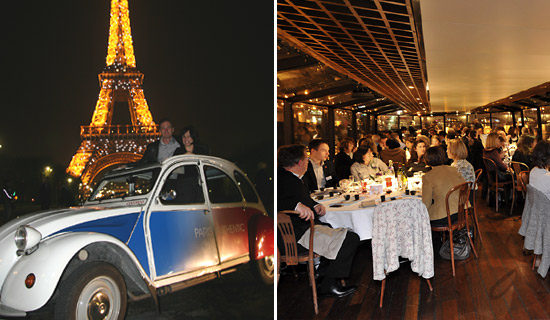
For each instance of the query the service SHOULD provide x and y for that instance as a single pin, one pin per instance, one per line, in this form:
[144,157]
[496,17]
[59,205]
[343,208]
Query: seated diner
[435,185]
[367,166]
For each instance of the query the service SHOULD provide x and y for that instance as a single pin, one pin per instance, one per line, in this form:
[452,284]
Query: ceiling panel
[478,52]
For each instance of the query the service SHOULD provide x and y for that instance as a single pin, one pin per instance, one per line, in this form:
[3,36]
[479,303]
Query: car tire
[264,269]
[95,290]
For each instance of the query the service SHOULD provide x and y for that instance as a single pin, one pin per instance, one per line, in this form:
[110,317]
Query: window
[221,188]
[310,123]
[248,190]
[126,185]
[183,186]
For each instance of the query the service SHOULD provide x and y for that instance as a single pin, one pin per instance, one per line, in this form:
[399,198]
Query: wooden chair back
[519,167]
[473,209]
[523,181]
[492,175]
[464,193]
[491,168]
[291,255]
[463,198]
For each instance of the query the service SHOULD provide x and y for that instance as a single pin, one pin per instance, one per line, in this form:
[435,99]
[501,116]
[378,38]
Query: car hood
[53,221]
[116,221]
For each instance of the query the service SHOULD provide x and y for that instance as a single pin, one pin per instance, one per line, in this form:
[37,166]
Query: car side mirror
[168,195]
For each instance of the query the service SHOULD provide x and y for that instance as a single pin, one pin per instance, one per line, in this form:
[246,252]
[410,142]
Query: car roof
[169,161]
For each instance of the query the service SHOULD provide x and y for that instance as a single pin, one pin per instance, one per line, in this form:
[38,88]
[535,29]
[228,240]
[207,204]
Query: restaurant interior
[349,68]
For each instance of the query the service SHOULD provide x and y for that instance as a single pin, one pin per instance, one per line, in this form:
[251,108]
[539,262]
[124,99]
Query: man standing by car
[320,171]
[164,147]
[292,194]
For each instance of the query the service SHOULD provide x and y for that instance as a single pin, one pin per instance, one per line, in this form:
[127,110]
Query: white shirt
[319,174]
[166,150]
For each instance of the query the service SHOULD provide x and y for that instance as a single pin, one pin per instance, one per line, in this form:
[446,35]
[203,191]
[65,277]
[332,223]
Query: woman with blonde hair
[457,151]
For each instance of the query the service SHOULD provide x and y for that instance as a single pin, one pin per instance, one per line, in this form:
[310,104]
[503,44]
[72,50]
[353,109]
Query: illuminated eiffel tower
[105,144]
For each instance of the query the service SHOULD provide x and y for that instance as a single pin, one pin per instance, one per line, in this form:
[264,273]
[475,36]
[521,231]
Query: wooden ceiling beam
[295,63]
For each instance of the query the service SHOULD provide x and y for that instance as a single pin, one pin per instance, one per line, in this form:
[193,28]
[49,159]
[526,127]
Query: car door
[229,214]
[180,226]
[253,205]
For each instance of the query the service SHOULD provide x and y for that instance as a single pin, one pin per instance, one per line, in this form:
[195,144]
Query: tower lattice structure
[105,144]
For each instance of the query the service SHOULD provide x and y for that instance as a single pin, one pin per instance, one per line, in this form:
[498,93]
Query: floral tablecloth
[402,228]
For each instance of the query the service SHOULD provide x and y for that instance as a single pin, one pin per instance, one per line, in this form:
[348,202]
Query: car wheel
[264,269]
[94,290]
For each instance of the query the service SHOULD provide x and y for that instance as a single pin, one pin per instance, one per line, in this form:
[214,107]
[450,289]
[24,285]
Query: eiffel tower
[105,144]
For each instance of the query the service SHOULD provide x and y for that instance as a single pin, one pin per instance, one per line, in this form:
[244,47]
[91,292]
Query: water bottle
[390,165]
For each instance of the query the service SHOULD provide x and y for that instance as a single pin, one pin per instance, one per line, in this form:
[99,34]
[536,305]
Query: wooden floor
[500,284]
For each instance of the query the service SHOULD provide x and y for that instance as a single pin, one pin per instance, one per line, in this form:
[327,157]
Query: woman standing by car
[190,145]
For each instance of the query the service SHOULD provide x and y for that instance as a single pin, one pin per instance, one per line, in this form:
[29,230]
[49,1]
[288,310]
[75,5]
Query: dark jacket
[525,158]
[396,155]
[290,191]
[342,165]
[331,177]
[475,154]
[414,166]
[197,149]
[152,152]
[494,154]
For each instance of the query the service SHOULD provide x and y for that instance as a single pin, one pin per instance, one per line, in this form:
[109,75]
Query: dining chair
[473,209]
[518,168]
[291,256]
[401,229]
[463,190]
[522,181]
[497,185]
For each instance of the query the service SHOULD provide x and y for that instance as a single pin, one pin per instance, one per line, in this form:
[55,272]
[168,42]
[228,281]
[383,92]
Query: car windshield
[126,185]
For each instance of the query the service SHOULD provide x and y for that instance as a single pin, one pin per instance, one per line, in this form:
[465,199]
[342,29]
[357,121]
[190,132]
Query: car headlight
[26,238]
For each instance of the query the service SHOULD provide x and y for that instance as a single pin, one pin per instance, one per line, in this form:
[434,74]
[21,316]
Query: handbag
[461,247]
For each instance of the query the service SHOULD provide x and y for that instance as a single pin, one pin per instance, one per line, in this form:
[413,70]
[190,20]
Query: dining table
[356,213]
[398,224]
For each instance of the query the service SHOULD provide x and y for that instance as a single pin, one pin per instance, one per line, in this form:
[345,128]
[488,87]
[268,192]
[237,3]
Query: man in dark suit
[292,194]
[320,172]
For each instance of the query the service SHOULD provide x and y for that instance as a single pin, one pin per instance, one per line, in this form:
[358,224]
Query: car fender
[48,263]
[260,236]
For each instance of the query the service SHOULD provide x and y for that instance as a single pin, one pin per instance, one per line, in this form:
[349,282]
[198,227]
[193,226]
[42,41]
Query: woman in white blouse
[366,166]
[539,177]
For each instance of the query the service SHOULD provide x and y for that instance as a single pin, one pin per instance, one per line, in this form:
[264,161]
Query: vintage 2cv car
[143,232]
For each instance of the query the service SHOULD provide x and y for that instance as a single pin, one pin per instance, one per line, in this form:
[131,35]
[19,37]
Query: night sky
[206,64]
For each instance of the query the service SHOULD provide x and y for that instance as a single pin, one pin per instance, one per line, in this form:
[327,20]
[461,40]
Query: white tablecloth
[351,215]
